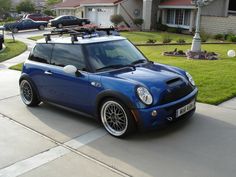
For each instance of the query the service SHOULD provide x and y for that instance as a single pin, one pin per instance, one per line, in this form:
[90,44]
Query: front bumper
[147,121]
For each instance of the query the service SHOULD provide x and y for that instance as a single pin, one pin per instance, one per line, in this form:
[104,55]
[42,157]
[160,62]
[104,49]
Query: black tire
[15,30]
[122,119]
[28,93]
[60,25]
[41,27]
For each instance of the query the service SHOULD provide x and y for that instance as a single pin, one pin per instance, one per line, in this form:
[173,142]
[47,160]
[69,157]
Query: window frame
[87,65]
[174,18]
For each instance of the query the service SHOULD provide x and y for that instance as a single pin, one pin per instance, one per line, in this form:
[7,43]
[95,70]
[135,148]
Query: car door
[28,24]
[70,90]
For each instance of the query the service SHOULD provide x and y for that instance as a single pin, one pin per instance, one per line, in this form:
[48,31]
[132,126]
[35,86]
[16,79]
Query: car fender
[25,76]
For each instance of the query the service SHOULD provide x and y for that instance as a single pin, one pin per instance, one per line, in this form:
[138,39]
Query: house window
[232,6]
[178,17]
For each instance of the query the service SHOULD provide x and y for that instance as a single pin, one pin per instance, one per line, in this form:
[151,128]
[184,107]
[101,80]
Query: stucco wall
[216,8]
[216,25]
[133,7]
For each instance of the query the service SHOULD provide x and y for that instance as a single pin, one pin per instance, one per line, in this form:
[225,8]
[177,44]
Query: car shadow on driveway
[200,146]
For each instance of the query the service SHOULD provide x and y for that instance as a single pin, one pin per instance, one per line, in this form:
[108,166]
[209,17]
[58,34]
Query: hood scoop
[174,82]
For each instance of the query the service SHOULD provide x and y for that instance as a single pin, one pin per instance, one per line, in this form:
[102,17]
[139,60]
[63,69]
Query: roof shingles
[77,3]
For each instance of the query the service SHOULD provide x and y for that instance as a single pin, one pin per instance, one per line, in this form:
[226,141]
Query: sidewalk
[230,104]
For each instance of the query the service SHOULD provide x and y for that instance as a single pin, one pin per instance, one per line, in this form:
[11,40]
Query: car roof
[67,40]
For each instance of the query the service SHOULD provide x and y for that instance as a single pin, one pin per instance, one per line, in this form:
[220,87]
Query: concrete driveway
[46,141]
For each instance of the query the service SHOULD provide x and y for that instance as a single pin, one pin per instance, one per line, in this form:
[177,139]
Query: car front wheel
[116,118]
[28,93]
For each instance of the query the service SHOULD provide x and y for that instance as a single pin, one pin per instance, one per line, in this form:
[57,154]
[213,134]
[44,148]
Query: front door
[68,90]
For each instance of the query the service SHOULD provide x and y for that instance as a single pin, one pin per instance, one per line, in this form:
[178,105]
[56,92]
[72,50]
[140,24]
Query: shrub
[138,21]
[232,38]
[166,40]
[181,41]
[162,27]
[205,36]
[219,37]
[151,41]
[174,30]
[116,19]
[48,12]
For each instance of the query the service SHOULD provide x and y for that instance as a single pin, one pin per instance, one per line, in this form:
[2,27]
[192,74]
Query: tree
[52,2]
[5,6]
[116,19]
[25,6]
[48,12]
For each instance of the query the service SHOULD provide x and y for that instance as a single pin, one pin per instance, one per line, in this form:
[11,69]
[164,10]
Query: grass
[216,80]
[17,67]
[12,49]
[143,37]
[35,38]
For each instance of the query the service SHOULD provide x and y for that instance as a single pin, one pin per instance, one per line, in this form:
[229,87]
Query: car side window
[41,53]
[64,54]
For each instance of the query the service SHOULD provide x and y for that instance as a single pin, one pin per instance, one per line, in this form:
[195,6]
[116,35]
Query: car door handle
[48,73]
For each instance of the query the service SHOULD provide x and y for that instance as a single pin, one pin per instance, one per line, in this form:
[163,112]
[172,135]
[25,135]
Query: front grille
[176,92]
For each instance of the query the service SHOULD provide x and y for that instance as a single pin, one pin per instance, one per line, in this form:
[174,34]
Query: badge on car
[185,109]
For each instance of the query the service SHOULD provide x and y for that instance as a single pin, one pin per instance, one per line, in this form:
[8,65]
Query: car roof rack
[85,33]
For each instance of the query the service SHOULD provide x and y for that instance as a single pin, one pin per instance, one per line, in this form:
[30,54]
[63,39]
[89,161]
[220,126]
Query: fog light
[154,113]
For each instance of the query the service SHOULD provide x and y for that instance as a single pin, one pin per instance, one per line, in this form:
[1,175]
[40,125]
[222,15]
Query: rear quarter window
[41,53]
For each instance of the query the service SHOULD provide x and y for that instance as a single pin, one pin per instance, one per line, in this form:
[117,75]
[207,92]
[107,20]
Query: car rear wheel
[41,27]
[116,118]
[15,30]
[60,25]
[28,93]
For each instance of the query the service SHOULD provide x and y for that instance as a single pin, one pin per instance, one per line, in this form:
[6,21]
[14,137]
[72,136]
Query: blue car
[107,78]
[25,24]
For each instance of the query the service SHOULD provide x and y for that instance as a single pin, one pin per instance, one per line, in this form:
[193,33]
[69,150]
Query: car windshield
[113,54]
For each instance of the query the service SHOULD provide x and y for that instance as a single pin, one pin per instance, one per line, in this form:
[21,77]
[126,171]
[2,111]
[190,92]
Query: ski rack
[85,33]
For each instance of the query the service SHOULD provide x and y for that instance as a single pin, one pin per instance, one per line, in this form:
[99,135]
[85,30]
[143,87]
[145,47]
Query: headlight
[144,95]
[190,78]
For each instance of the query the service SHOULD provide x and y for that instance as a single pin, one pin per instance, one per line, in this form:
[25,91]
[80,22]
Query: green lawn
[12,49]
[216,80]
[35,38]
[17,67]
[143,37]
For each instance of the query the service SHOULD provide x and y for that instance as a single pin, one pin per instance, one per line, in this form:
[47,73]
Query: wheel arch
[26,77]
[112,95]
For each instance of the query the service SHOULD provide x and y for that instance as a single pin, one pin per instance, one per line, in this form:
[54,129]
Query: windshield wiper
[139,61]
[115,67]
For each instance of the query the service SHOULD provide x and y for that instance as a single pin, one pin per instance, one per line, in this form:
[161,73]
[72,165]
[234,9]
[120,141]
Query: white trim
[178,26]
[99,4]
[66,8]
[176,7]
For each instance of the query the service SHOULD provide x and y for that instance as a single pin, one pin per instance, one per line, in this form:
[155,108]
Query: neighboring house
[218,17]
[99,11]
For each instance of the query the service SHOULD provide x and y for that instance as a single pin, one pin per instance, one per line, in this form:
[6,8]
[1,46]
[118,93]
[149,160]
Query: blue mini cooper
[106,77]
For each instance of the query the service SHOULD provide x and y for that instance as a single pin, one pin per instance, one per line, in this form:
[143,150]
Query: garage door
[100,15]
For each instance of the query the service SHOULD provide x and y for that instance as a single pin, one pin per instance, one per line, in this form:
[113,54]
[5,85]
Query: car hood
[165,83]
[148,75]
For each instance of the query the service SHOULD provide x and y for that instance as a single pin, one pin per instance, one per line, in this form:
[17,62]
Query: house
[218,17]
[99,11]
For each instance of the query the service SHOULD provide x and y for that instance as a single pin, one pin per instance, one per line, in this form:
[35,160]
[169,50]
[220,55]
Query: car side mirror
[70,69]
